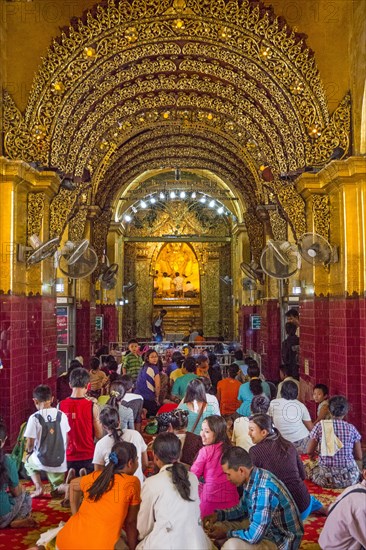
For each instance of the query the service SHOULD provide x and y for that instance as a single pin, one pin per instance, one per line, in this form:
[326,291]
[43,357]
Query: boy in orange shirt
[227,391]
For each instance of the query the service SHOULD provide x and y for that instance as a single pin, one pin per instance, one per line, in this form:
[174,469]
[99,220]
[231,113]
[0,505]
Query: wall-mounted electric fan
[77,260]
[39,251]
[252,271]
[280,259]
[316,250]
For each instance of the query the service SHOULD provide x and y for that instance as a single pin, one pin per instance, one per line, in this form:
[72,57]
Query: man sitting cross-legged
[266,517]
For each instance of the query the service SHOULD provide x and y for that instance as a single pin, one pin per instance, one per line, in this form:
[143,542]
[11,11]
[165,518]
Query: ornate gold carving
[217,68]
[77,225]
[336,134]
[60,211]
[292,205]
[100,232]
[278,225]
[17,142]
[35,209]
[177,218]
[321,215]
[255,233]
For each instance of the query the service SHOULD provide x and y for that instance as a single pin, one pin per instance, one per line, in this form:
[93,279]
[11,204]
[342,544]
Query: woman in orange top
[111,502]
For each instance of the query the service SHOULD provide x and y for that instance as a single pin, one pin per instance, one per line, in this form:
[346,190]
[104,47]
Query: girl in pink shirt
[215,491]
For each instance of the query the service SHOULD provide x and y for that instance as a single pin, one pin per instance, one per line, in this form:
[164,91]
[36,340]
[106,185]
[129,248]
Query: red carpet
[49,513]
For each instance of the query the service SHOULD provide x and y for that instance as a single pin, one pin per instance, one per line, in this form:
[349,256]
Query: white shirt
[240,435]
[104,447]
[132,397]
[34,431]
[214,402]
[165,520]
[288,416]
[212,399]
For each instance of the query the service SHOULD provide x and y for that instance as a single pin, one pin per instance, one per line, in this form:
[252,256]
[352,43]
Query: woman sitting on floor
[195,402]
[169,514]
[291,417]
[254,387]
[15,504]
[240,437]
[116,395]
[216,491]
[111,423]
[111,502]
[277,455]
[340,447]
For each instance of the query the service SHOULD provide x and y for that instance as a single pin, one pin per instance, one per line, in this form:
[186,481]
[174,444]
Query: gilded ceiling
[219,85]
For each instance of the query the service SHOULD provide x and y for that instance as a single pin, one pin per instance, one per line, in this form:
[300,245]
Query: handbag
[192,443]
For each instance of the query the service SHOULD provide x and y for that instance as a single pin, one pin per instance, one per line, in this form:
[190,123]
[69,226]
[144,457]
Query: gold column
[18,183]
[344,183]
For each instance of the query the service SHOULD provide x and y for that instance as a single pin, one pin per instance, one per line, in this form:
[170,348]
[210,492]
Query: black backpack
[51,451]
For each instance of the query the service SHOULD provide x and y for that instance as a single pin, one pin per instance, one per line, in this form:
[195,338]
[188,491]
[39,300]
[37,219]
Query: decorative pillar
[27,302]
[333,348]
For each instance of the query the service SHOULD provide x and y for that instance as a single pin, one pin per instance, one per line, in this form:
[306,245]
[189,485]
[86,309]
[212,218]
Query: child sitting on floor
[111,502]
[46,442]
[15,504]
[98,378]
[320,395]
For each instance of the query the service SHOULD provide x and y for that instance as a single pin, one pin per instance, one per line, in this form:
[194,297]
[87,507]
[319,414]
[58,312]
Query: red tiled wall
[269,344]
[85,330]
[30,347]
[314,346]
[344,353]
[267,340]
[363,364]
[110,330]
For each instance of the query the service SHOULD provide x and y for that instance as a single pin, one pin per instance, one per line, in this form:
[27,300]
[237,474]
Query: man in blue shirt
[271,517]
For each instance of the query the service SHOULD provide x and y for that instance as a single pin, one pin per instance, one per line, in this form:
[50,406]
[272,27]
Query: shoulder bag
[192,443]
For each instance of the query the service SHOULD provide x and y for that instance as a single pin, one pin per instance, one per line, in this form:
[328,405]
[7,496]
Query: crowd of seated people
[227,454]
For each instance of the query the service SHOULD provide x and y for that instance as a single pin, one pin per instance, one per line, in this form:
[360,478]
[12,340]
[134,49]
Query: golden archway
[131,86]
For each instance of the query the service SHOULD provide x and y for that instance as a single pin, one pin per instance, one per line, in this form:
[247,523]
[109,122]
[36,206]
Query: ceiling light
[162,196]
[143,204]
[153,200]
[211,204]
[127,218]
[172,194]
[220,210]
[182,194]
[203,199]
[194,195]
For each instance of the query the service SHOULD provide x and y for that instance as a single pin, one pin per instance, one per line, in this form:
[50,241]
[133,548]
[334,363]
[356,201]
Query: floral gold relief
[136,85]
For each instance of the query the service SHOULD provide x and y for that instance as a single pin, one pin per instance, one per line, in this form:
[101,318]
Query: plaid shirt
[272,512]
[348,434]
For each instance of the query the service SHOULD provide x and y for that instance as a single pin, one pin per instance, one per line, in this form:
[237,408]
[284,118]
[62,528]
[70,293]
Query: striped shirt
[271,510]
[348,434]
[132,363]
[145,384]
